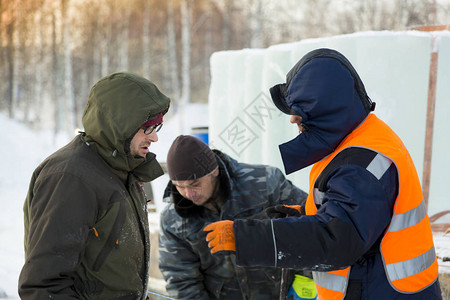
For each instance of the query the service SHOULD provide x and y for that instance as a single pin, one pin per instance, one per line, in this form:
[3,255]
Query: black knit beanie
[189,158]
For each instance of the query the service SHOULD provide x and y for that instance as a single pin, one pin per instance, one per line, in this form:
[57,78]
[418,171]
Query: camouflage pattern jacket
[188,267]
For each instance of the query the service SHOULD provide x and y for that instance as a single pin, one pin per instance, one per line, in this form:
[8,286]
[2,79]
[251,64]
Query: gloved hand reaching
[282,211]
[220,236]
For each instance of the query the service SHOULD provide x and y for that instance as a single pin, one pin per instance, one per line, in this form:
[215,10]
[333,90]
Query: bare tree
[186,21]
[208,41]
[172,51]
[226,8]
[105,33]
[146,40]
[39,63]
[123,9]
[256,16]
[70,106]
[314,22]
[10,49]
[57,97]
[20,60]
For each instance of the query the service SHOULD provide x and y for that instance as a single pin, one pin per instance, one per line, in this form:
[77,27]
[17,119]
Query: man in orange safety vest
[364,231]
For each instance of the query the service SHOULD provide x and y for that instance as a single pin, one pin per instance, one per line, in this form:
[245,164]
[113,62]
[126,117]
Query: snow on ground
[22,149]
[442,244]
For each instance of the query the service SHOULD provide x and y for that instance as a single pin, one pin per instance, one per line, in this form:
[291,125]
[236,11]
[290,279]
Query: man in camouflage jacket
[207,186]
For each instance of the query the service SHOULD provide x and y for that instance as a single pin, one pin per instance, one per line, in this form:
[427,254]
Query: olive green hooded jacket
[86,226]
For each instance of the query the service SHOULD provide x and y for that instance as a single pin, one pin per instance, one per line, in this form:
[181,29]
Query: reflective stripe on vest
[332,281]
[410,266]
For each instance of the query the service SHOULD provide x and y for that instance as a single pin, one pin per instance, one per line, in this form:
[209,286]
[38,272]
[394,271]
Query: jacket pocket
[112,238]
[214,286]
[263,283]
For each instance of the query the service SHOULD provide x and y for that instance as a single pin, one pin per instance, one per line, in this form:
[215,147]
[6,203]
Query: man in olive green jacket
[86,226]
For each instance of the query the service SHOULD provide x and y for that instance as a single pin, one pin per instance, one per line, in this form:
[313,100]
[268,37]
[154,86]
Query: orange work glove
[296,207]
[220,236]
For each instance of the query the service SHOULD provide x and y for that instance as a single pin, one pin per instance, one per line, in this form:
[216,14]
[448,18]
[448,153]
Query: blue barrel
[201,133]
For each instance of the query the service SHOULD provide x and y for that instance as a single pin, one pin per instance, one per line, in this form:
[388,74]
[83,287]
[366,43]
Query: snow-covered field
[22,149]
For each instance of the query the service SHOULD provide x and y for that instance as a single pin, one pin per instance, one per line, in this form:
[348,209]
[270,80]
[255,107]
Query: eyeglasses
[149,129]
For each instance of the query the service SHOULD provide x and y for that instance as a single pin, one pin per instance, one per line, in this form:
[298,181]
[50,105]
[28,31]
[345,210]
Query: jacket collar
[121,164]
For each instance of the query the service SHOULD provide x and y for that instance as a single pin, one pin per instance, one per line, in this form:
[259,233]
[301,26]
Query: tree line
[52,51]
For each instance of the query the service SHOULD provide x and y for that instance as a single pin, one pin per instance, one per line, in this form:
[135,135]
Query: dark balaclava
[327,92]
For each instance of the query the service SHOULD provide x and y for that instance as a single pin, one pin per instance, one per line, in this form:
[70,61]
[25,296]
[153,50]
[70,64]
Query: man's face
[141,142]
[297,120]
[199,191]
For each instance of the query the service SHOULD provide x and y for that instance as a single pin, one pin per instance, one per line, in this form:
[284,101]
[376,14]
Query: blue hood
[325,90]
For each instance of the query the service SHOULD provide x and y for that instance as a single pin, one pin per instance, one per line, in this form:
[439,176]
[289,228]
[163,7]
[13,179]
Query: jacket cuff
[254,243]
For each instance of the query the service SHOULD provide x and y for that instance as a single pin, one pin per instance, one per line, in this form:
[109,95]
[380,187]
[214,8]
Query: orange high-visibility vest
[410,266]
